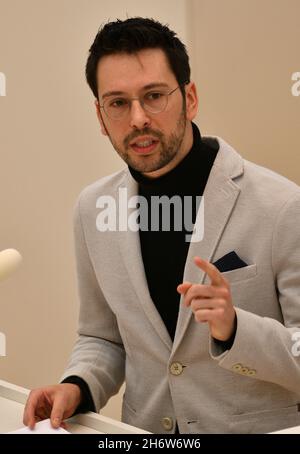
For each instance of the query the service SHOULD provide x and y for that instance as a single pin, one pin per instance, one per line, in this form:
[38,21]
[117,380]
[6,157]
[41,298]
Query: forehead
[130,72]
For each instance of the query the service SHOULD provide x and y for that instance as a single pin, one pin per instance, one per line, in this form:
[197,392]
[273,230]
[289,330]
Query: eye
[117,103]
[153,96]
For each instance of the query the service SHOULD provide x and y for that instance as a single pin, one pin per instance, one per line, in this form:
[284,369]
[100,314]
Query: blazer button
[251,372]
[176,368]
[167,423]
[237,367]
[245,370]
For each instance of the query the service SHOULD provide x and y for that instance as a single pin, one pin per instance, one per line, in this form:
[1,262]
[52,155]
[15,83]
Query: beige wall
[243,54]
[50,147]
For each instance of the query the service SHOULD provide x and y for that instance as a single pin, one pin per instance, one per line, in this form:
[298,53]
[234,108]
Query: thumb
[183,288]
[57,412]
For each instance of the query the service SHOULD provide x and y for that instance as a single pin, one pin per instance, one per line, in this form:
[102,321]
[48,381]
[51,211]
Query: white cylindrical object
[10,259]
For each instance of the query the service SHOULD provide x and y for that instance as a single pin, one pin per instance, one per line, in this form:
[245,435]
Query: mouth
[144,145]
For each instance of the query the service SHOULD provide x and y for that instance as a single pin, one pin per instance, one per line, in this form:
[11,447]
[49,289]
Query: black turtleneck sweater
[164,252]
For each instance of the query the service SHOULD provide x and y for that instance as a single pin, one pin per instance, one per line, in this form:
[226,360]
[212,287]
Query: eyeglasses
[153,101]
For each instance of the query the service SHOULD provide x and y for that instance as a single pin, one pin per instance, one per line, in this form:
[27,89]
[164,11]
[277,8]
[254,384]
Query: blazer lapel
[129,242]
[219,199]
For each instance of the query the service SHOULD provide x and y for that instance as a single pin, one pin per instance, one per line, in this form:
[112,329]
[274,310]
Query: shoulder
[274,191]
[256,182]
[105,186]
[269,177]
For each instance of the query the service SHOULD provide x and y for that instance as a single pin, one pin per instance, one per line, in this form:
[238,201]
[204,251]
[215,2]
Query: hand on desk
[56,402]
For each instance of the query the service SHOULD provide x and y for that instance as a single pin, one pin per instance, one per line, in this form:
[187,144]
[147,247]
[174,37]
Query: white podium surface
[12,402]
[289,430]
[13,399]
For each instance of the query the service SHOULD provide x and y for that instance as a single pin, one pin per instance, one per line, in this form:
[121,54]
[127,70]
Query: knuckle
[223,292]
[210,291]
[222,303]
[197,316]
[220,312]
[191,291]
[226,292]
[194,304]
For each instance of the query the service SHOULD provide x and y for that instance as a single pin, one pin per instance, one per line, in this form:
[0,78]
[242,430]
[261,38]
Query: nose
[139,118]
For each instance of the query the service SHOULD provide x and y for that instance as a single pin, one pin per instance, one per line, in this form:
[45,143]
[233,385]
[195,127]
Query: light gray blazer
[253,387]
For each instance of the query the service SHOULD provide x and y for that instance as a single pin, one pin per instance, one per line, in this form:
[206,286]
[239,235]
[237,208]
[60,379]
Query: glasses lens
[116,108]
[155,101]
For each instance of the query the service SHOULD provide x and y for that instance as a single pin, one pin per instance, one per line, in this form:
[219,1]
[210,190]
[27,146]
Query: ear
[191,101]
[99,116]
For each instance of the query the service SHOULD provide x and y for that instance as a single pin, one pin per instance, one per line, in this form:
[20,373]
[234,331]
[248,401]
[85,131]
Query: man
[203,330]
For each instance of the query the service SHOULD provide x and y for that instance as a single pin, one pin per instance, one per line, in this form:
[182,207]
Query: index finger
[212,271]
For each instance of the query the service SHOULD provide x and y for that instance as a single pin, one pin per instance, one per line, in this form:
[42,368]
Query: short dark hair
[135,34]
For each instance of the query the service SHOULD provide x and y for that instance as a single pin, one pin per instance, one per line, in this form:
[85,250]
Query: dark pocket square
[229,262]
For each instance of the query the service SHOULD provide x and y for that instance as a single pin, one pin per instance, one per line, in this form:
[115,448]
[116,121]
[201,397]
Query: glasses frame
[142,103]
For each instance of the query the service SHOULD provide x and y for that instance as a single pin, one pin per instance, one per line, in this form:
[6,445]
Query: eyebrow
[146,87]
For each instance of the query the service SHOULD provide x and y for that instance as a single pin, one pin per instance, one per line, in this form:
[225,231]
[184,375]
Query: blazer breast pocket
[241,274]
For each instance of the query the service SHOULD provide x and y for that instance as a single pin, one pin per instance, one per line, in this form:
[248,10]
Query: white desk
[12,402]
[13,399]
[289,430]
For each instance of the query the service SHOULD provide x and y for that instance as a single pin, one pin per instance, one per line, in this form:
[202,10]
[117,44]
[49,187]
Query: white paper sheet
[42,427]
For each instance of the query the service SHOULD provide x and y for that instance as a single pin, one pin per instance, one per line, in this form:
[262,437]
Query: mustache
[142,132]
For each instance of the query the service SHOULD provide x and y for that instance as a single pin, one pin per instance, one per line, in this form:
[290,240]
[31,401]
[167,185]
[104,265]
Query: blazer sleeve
[98,356]
[265,346]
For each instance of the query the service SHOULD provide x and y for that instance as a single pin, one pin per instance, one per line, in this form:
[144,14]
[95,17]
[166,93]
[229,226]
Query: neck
[186,146]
